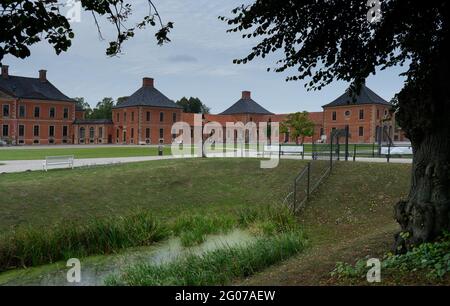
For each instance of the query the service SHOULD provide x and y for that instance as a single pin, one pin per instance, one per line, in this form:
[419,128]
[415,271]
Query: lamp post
[203,139]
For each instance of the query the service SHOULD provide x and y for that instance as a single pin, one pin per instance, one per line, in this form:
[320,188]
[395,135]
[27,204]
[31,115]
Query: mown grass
[94,152]
[168,188]
[217,267]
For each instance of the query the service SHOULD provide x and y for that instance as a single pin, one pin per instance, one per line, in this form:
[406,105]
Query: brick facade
[147,117]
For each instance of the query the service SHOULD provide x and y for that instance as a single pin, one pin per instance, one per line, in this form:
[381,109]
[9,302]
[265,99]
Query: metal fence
[311,176]
[351,152]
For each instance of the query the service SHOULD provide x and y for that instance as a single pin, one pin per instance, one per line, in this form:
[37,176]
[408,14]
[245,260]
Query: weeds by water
[217,267]
[193,230]
[35,246]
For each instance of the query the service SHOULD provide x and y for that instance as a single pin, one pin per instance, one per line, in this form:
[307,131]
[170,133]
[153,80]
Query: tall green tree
[27,22]
[323,41]
[298,125]
[103,110]
[193,105]
[82,104]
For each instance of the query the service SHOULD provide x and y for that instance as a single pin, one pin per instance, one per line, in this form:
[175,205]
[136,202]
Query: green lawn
[95,152]
[167,188]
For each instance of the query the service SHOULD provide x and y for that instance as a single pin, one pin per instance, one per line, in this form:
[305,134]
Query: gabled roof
[246,106]
[148,95]
[31,88]
[366,96]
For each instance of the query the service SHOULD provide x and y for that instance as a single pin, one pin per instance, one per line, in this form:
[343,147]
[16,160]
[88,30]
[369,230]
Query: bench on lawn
[405,150]
[284,149]
[57,161]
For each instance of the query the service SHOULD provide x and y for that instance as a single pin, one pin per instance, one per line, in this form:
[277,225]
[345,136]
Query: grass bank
[218,267]
[168,188]
[348,217]
[30,246]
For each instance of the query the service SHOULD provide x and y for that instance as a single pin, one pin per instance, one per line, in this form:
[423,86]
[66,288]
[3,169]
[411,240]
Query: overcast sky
[198,63]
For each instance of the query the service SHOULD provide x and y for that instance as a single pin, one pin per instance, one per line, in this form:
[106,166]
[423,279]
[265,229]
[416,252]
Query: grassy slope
[348,218]
[168,188]
[95,152]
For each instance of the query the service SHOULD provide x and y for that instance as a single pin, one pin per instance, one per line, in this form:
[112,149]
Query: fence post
[308,188]
[354,152]
[346,142]
[373,150]
[294,206]
[279,151]
[331,154]
[389,153]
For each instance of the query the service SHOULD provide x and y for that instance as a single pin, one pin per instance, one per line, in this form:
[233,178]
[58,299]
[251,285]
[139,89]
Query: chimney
[148,82]
[246,95]
[5,73]
[43,75]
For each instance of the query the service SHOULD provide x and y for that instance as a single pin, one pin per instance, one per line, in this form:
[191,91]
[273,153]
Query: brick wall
[132,125]
[25,127]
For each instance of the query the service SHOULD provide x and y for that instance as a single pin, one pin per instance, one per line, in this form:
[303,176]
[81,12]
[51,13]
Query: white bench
[284,149]
[406,150]
[291,149]
[57,161]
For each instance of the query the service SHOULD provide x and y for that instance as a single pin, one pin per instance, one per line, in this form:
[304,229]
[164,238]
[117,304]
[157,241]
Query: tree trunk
[426,212]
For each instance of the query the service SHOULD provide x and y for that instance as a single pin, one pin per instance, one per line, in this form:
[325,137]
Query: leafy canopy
[27,22]
[298,125]
[193,105]
[323,41]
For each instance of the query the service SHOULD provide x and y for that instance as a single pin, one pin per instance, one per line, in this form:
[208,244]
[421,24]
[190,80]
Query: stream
[95,269]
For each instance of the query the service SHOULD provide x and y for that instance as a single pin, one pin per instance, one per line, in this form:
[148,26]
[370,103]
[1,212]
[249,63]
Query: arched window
[82,132]
[91,133]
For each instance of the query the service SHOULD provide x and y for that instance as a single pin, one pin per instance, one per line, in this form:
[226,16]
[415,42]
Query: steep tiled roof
[31,88]
[366,96]
[148,95]
[246,106]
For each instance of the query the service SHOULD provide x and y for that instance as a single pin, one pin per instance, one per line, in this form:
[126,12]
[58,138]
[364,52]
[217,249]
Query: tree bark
[426,212]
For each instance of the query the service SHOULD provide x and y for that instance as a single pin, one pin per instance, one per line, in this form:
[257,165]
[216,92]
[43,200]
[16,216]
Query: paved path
[33,165]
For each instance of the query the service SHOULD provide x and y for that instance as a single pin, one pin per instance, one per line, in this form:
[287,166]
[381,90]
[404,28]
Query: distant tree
[81,103]
[193,105]
[27,22]
[298,125]
[348,40]
[103,110]
[120,100]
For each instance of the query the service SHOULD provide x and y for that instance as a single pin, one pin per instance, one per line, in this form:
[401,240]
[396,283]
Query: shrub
[432,258]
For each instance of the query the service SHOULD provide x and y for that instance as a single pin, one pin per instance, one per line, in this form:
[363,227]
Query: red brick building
[247,110]
[92,131]
[145,117]
[369,117]
[33,111]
